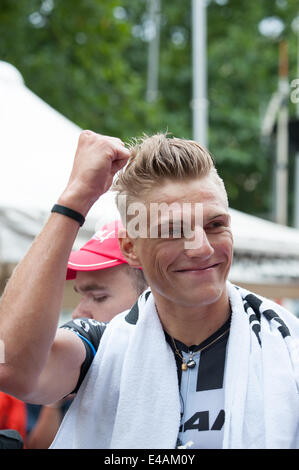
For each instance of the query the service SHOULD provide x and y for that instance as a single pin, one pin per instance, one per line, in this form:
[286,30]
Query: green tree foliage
[88,59]
[73,55]
[243,74]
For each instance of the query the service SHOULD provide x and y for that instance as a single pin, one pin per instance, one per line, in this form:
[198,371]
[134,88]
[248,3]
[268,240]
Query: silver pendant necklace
[190,364]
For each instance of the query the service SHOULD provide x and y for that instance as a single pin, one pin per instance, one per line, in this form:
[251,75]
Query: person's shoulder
[266,306]
[132,315]
[275,310]
[288,316]
[85,326]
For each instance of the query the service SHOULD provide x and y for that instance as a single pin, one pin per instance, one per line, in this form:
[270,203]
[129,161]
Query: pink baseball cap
[100,252]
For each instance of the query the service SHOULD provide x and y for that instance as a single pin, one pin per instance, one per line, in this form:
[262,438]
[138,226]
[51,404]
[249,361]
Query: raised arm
[38,367]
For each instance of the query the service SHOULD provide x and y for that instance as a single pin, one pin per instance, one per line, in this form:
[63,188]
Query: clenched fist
[96,161]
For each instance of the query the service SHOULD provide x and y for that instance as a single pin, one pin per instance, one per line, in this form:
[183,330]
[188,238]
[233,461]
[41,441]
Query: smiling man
[191,363]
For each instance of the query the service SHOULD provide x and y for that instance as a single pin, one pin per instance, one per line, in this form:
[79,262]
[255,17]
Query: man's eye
[100,299]
[216,224]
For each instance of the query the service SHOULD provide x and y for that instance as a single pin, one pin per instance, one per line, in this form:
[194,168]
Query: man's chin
[203,295]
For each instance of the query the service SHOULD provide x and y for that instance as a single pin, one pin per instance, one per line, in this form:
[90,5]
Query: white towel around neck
[130,397]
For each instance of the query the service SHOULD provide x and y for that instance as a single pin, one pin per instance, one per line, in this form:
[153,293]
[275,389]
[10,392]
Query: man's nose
[82,310]
[199,245]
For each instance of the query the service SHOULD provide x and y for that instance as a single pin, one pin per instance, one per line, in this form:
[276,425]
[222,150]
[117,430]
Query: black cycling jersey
[90,331]
[201,387]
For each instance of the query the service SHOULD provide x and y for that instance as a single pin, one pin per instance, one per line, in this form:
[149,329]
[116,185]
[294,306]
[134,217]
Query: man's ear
[128,247]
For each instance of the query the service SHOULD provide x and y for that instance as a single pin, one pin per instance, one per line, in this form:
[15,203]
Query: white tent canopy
[37,145]
[37,149]
[266,254]
[255,235]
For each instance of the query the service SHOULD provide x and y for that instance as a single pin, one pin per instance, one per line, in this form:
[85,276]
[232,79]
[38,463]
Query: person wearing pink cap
[107,284]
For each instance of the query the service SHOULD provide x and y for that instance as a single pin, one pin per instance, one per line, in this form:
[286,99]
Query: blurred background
[223,72]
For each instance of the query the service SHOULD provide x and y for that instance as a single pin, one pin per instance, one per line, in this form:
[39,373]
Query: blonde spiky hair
[157,158]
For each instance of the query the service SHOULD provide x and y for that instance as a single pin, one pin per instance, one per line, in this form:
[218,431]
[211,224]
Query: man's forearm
[31,304]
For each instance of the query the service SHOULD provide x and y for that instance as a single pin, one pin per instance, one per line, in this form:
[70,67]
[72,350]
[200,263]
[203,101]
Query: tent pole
[296,202]
[199,101]
[281,183]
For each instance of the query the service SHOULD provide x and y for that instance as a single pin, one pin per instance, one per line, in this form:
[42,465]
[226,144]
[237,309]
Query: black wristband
[69,213]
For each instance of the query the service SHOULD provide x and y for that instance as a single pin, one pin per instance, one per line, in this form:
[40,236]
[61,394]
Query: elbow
[14,383]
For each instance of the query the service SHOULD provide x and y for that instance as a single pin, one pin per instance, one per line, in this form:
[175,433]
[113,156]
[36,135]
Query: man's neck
[192,325]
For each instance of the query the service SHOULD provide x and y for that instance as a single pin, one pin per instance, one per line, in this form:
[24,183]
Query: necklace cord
[198,350]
